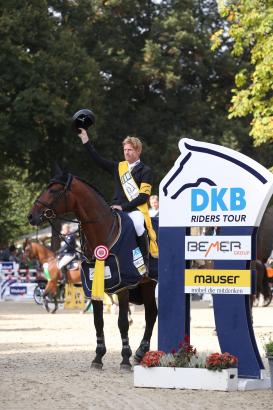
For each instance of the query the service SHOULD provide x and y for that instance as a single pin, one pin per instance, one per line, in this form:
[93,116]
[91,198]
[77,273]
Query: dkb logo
[224,199]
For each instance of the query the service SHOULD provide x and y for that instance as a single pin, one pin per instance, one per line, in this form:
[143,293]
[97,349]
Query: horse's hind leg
[123,324]
[99,323]
[148,294]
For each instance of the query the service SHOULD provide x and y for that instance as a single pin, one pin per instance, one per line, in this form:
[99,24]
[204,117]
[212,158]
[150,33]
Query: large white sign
[218,247]
[210,185]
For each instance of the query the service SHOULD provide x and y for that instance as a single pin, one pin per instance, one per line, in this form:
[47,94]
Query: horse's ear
[57,169]
[25,243]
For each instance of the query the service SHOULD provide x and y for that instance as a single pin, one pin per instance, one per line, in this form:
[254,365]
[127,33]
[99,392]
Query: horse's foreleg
[98,322]
[148,294]
[123,324]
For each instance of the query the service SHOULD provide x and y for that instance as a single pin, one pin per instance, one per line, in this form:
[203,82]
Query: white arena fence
[15,283]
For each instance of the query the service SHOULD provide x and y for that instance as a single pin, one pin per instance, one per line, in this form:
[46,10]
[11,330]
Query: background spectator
[154,206]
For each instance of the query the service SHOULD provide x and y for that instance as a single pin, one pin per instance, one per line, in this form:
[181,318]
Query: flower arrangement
[184,354]
[187,356]
[152,358]
[218,361]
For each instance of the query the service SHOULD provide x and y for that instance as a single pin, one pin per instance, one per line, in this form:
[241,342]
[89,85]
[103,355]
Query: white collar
[131,166]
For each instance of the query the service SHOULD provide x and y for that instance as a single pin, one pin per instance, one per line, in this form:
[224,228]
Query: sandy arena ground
[45,363]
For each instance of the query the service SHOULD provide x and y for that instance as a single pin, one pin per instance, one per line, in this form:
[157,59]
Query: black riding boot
[64,274]
[143,243]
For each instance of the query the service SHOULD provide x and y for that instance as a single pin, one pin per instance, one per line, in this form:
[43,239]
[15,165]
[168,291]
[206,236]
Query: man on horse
[67,250]
[133,184]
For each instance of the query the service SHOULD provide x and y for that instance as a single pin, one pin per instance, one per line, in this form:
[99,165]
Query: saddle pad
[112,278]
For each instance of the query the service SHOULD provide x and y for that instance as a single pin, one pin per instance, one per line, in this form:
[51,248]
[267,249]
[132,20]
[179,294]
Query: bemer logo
[224,199]
[218,247]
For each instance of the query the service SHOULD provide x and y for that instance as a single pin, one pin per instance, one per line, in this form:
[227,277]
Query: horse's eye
[53,191]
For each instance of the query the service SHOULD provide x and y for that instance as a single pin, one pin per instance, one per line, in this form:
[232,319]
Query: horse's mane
[91,186]
[33,241]
[63,179]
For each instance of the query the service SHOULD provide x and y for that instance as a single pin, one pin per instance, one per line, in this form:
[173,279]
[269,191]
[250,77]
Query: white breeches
[138,221]
[65,260]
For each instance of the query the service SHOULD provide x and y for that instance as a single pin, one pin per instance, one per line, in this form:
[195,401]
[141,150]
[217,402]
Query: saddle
[125,265]
[73,265]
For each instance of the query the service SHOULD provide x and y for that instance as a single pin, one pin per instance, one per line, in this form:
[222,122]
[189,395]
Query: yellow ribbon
[146,189]
[152,235]
[98,281]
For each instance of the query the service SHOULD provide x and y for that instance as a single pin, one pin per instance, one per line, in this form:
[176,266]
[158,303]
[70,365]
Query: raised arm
[103,163]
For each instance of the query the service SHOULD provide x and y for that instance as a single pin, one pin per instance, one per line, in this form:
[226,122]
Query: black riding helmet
[83,119]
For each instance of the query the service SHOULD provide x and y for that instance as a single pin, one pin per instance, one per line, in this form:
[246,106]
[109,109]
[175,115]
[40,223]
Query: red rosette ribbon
[101,252]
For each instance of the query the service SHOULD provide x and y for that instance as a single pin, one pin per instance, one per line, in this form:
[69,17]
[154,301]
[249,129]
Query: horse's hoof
[137,360]
[125,367]
[97,366]
[143,348]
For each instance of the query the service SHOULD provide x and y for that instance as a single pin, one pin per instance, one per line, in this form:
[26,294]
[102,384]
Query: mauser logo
[218,247]
[220,280]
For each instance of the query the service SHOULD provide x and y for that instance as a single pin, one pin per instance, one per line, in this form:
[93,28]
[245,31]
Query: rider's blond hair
[134,141]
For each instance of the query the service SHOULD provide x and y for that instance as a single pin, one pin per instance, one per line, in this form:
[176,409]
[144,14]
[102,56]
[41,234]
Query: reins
[60,235]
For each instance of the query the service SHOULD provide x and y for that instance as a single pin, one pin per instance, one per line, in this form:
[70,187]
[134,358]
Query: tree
[145,68]
[17,195]
[161,79]
[250,27]
[46,75]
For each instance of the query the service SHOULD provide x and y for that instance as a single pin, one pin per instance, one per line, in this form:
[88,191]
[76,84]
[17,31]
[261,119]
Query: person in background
[68,247]
[10,254]
[154,206]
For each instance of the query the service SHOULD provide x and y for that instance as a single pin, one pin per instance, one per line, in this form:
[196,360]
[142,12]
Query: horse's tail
[262,280]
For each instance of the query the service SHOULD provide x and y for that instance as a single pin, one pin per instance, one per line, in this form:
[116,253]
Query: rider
[133,183]
[68,246]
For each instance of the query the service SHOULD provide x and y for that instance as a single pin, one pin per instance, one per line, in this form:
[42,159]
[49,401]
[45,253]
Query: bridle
[49,212]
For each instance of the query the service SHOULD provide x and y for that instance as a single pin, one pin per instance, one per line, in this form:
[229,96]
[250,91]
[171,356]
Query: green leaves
[250,25]
[144,67]
[16,198]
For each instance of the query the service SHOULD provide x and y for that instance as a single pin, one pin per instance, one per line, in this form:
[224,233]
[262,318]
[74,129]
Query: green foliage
[250,26]
[16,198]
[199,361]
[268,345]
[167,360]
[144,67]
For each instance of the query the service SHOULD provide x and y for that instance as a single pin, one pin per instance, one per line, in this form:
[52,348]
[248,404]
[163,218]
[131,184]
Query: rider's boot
[143,243]
[64,274]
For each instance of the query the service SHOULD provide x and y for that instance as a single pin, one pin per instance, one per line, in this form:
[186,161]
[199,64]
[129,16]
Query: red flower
[151,359]
[218,361]
[187,339]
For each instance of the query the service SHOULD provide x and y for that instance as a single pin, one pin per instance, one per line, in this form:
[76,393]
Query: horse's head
[30,249]
[53,201]
[27,249]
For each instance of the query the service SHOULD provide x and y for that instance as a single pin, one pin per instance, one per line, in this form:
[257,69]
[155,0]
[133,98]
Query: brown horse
[35,250]
[264,249]
[98,225]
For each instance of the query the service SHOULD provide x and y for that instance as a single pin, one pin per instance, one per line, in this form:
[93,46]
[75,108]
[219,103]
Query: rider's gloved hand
[83,135]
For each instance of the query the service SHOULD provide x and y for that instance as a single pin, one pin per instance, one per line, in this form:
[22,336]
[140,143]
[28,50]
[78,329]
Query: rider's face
[130,153]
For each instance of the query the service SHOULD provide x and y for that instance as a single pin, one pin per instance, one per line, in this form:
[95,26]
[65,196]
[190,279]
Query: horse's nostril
[29,217]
